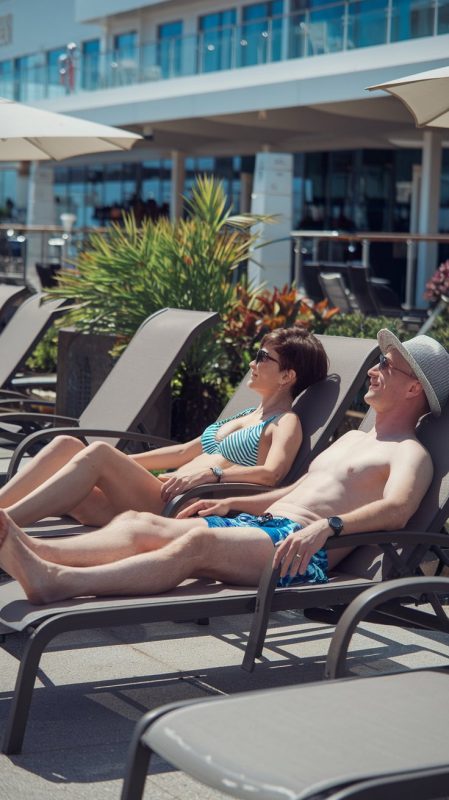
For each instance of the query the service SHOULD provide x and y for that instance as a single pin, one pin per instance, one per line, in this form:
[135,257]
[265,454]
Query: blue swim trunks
[277,528]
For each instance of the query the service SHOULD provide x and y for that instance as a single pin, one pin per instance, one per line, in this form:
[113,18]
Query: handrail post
[298,263]
[365,252]
[410,276]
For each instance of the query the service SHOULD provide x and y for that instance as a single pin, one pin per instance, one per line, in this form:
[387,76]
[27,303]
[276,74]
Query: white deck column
[41,211]
[273,194]
[178,174]
[429,207]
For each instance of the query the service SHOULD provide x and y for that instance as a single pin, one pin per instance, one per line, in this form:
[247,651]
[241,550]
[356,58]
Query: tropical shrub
[365,327]
[132,271]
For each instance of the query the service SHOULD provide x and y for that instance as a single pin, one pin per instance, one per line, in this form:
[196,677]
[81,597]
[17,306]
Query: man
[362,482]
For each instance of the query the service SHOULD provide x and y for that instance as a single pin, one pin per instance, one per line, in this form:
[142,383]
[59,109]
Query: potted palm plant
[124,276]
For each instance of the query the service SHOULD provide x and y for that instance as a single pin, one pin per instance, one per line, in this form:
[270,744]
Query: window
[125,45]
[170,48]
[367,23]
[60,73]
[90,77]
[6,79]
[261,33]
[29,78]
[125,59]
[217,34]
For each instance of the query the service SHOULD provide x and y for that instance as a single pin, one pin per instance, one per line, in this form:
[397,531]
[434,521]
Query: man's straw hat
[428,360]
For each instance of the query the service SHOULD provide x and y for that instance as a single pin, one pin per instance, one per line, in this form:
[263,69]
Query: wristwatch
[218,472]
[336,524]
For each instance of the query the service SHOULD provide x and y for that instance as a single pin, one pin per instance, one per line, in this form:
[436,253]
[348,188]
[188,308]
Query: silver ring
[300,557]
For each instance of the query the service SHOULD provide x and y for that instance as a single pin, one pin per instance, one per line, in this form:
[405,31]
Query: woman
[94,483]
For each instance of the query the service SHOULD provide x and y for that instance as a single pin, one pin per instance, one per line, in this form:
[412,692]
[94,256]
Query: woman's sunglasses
[262,355]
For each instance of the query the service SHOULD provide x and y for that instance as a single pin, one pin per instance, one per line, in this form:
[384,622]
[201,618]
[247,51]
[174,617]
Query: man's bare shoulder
[411,450]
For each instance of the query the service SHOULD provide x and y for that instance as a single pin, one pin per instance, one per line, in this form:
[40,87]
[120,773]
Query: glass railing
[330,28]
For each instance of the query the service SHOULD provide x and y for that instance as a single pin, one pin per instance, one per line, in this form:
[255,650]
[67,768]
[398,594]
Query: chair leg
[139,753]
[138,761]
[23,691]
[261,615]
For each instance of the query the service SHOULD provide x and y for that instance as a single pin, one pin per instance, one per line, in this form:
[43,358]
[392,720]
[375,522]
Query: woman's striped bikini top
[241,446]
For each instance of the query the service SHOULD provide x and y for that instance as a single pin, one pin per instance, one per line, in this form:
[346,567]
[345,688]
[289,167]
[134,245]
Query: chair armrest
[10,393]
[29,422]
[366,602]
[44,381]
[269,579]
[214,490]
[27,400]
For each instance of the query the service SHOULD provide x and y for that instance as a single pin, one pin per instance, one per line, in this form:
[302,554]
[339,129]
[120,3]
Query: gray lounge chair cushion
[300,741]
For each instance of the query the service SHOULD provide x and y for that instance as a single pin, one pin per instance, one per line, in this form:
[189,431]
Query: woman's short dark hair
[300,350]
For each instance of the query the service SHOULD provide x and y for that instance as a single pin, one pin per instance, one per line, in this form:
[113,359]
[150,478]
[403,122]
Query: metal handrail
[364,238]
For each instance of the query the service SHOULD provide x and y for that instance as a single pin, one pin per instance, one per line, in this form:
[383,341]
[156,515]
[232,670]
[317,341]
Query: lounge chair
[194,598]
[321,409]
[20,336]
[374,738]
[145,366]
[335,290]
[374,557]
[11,297]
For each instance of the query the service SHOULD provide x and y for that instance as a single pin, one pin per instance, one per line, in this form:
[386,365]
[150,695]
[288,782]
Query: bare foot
[34,575]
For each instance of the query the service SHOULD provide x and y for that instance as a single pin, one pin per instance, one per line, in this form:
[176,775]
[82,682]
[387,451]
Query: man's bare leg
[38,469]
[238,555]
[128,534]
[123,484]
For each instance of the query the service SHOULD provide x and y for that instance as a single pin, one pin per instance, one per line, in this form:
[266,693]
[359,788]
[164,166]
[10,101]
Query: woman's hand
[205,508]
[174,484]
[297,549]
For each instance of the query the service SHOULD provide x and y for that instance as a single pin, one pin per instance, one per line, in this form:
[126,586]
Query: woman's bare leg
[42,466]
[123,485]
[128,534]
[233,554]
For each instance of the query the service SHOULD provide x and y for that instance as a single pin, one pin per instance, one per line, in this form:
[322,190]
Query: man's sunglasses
[263,355]
[385,364]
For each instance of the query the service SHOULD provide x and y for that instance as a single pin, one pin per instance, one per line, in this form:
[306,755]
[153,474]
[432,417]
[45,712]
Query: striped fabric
[240,447]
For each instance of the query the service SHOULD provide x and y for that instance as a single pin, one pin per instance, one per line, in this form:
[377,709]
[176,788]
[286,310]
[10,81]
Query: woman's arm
[170,457]
[286,438]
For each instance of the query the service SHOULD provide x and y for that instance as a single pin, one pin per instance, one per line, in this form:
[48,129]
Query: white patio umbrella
[33,134]
[426,95]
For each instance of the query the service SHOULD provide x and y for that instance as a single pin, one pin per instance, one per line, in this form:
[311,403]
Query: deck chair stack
[373,738]
[349,359]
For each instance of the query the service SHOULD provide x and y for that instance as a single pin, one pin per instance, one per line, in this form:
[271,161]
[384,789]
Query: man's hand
[205,508]
[297,549]
[174,484]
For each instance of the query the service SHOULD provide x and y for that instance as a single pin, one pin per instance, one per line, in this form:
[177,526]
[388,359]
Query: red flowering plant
[438,284]
[255,313]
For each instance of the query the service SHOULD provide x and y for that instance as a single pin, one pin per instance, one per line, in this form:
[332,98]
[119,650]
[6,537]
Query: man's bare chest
[355,459]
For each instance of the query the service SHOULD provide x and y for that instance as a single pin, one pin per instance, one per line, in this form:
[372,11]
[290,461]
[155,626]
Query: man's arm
[410,476]
[250,504]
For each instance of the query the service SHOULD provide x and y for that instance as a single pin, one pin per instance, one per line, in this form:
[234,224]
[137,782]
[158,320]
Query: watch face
[336,524]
